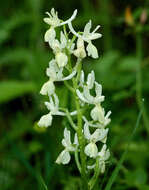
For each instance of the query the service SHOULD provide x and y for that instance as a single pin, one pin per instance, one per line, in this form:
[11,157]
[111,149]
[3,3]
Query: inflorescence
[88,131]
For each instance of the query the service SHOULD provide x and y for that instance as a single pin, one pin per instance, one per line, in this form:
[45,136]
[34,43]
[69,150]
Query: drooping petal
[45,120]
[91,80]
[61,59]
[63,158]
[50,35]
[91,150]
[67,136]
[92,50]
[80,53]
[63,40]
[94,114]
[95,136]
[48,88]
[103,135]
[86,131]
[98,89]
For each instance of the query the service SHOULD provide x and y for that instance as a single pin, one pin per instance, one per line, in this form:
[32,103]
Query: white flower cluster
[99,119]
[94,131]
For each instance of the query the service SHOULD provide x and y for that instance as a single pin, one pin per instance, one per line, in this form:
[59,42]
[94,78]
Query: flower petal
[91,80]
[67,136]
[48,88]
[63,158]
[86,131]
[61,59]
[50,35]
[45,120]
[92,50]
[91,150]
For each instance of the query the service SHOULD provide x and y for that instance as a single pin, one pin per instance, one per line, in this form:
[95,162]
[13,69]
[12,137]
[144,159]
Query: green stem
[139,54]
[79,121]
[79,128]
[68,86]
[77,161]
[107,28]
[93,180]
[69,118]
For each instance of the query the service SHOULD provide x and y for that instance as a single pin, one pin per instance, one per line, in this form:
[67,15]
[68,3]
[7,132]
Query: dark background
[27,153]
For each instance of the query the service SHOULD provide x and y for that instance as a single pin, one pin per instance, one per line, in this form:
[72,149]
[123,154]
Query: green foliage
[13,89]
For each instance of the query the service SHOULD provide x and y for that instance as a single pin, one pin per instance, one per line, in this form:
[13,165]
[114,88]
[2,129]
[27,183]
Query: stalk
[80,128]
[139,54]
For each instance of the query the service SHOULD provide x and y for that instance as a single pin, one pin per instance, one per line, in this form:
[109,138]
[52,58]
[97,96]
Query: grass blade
[20,156]
[118,167]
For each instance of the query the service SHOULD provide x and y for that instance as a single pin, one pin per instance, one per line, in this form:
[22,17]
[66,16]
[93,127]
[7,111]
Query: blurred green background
[27,154]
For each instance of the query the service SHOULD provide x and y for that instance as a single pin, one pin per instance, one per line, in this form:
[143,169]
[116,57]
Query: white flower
[80,51]
[48,88]
[98,114]
[56,74]
[88,37]
[53,107]
[85,96]
[102,157]
[53,71]
[57,45]
[54,21]
[64,156]
[61,59]
[91,149]
[45,120]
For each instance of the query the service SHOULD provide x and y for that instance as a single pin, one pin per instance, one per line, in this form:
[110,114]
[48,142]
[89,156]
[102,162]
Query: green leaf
[128,63]
[15,55]
[12,89]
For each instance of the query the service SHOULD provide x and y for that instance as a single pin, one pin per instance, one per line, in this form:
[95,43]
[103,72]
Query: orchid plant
[90,133]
